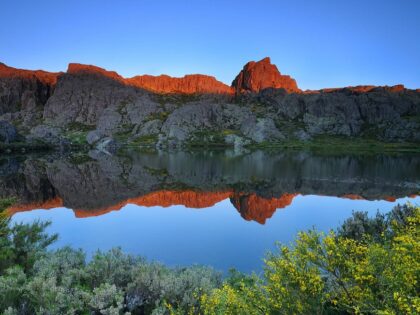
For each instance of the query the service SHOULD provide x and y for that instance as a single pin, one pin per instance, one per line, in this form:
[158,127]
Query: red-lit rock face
[256,76]
[77,68]
[189,84]
[49,78]
[360,89]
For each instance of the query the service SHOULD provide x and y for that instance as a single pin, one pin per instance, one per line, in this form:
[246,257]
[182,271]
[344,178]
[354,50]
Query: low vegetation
[147,140]
[367,266]
[326,143]
[158,115]
[76,132]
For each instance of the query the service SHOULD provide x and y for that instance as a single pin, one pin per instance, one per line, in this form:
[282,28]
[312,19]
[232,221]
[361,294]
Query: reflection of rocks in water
[253,207]
[257,183]
[163,198]
[27,181]
[46,205]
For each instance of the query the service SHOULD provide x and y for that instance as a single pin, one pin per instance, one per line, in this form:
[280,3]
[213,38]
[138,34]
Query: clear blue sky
[320,43]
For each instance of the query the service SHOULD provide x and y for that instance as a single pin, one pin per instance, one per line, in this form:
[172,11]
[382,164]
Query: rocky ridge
[92,106]
[189,84]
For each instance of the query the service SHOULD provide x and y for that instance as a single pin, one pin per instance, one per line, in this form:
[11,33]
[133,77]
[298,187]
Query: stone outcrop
[48,134]
[380,111]
[261,129]
[84,93]
[260,75]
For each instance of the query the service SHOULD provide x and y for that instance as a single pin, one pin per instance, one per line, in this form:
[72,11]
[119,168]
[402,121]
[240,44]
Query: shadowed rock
[23,93]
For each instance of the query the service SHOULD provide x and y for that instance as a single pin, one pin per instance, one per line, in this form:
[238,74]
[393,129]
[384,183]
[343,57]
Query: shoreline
[320,144]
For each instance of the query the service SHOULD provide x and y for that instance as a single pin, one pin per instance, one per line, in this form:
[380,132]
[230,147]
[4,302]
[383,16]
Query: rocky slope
[88,104]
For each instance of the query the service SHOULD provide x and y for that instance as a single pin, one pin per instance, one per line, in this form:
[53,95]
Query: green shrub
[369,266]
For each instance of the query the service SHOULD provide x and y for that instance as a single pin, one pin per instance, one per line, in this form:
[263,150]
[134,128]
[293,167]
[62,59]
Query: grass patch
[79,159]
[177,99]
[6,203]
[157,172]
[77,138]
[124,134]
[78,126]
[76,133]
[411,118]
[227,132]
[289,127]
[149,140]
[342,144]
[158,116]
[259,110]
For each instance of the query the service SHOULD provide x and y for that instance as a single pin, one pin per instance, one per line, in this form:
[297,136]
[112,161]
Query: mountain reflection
[257,183]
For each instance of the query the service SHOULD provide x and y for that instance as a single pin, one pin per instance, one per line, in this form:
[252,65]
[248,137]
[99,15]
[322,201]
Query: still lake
[217,208]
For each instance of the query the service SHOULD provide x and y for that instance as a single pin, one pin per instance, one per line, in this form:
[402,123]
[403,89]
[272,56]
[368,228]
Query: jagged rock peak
[256,76]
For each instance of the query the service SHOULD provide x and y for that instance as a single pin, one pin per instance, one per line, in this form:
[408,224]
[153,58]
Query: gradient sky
[320,43]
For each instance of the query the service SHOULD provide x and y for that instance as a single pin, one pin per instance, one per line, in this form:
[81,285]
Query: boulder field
[88,105]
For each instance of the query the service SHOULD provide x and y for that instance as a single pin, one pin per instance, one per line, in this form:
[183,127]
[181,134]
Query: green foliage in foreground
[369,266]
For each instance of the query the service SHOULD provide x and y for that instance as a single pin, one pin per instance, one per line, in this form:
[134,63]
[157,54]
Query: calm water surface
[215,207]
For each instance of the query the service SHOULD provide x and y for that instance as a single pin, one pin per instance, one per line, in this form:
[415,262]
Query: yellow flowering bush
[334,273]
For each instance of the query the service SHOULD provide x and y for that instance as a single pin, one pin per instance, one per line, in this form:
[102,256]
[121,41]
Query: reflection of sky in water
[215,236]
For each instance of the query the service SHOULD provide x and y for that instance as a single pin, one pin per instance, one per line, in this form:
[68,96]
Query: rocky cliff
[23,94]
[89,105]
